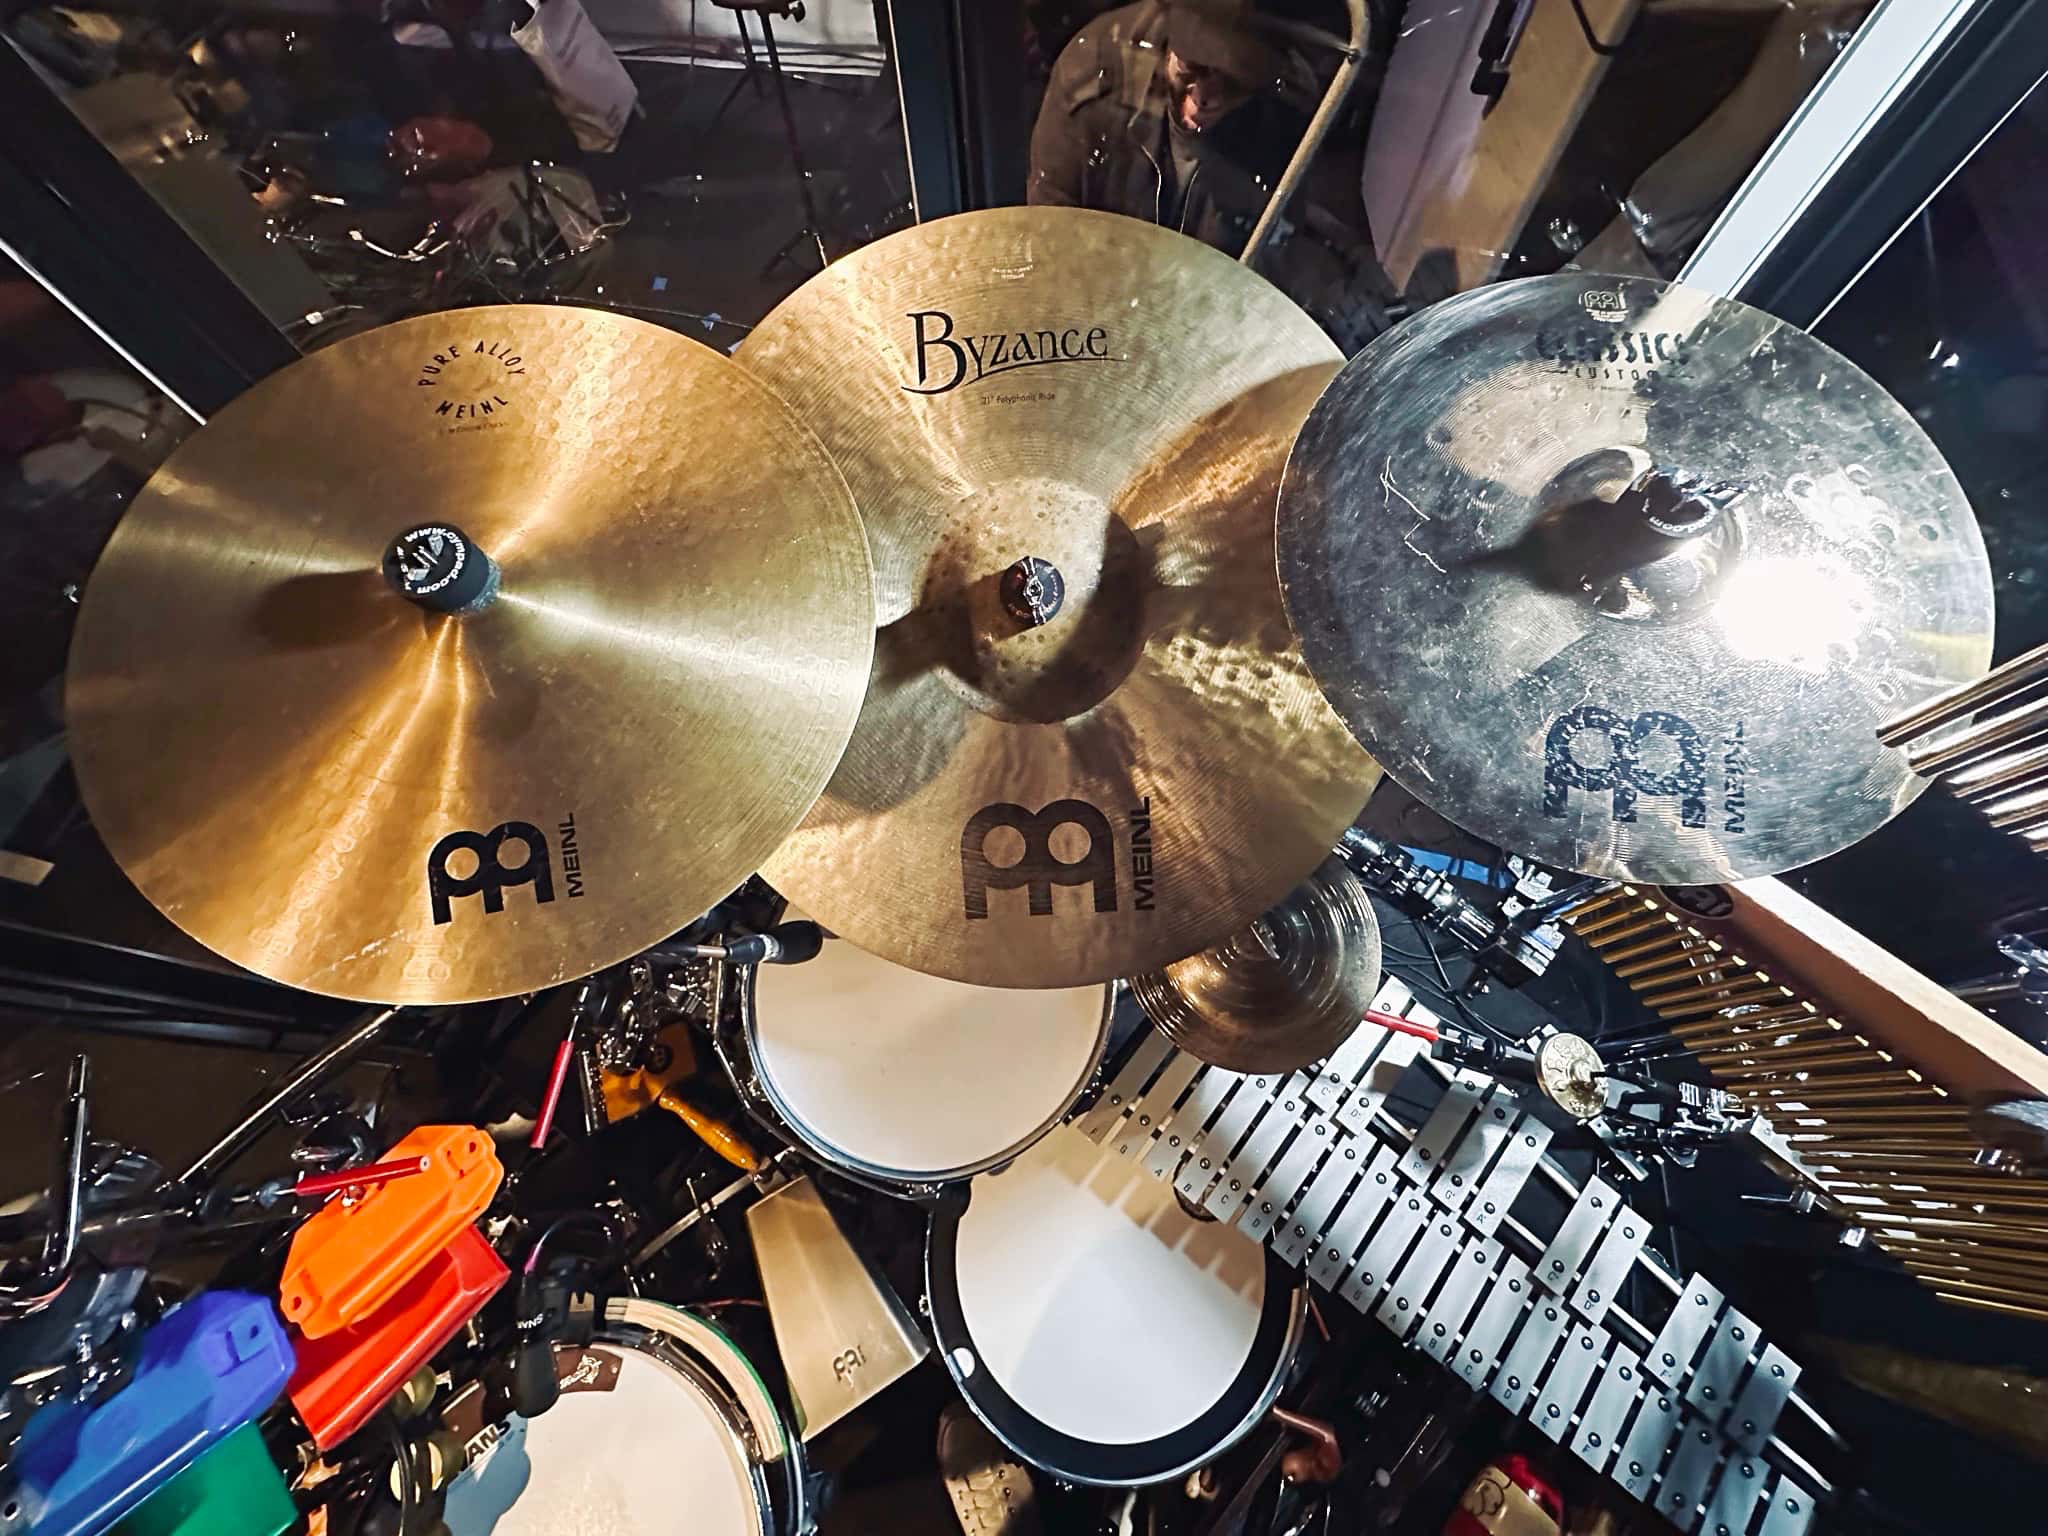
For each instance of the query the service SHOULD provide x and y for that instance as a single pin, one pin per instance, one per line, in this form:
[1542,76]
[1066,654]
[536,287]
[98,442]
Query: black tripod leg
[796,150]
[746,72]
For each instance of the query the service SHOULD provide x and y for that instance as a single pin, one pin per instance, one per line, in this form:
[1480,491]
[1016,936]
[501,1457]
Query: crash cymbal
[1624,577]
[1284,992]
[668,625]
[1090,745]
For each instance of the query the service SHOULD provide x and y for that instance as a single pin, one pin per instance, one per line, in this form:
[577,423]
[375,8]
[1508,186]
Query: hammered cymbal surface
[277,746]
[1058,805]
[1489,602]
[1282,993]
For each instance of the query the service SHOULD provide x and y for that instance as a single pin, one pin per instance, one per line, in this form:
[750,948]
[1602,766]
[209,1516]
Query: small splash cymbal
[470,655]
[1090,745]
[1284,992]
[1625,577]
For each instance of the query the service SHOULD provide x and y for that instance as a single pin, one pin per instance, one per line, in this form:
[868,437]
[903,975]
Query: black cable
[407,1493]
[1670,1225]
[1605,50]
[1448,992]
[574,1218]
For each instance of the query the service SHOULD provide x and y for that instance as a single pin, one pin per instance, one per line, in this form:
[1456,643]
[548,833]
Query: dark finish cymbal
[1284,992]
[668,629]
[1624,577]
[1090,745]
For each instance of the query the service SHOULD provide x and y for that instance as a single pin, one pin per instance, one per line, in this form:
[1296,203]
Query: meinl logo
[947,359]
[1604,304]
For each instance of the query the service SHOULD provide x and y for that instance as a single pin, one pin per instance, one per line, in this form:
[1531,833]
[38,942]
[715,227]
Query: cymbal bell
[1625,577]
[640,620]
[1089,745]
[1281,993]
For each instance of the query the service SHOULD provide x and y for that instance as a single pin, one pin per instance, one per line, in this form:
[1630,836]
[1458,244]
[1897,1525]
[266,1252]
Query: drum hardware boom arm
[66,1203]
[315,1069]
[1319,126]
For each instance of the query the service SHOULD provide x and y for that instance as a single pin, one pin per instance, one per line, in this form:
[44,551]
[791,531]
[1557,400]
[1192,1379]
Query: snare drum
[1102,1332]
[662,1423]
[910,1079]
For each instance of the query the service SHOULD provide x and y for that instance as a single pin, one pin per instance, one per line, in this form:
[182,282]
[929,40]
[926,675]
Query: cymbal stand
[791,10]
[314,1070]
[33,1291]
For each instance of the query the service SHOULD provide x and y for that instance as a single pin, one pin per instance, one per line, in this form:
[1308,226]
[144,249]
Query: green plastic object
[233,1490]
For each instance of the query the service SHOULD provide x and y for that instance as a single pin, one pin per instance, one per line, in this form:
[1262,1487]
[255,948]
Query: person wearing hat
[1184,113]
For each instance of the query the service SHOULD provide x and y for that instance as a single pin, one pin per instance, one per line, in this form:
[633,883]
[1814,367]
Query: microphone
[784,944]
[535,1386]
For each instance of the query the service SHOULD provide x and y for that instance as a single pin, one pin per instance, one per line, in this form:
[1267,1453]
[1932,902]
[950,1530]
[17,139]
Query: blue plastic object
[208,1368]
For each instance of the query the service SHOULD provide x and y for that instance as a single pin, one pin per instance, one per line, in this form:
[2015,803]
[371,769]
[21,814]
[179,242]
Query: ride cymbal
[1624,577]
[1090,745]
[667,623]
[1284,992]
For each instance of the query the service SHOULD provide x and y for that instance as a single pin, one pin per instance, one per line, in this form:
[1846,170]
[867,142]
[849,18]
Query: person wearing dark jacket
[1177,112]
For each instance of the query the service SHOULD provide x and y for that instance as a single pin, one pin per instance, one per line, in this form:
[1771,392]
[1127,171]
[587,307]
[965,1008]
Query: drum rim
[1164,1457]
[903,1178]
[704,1377]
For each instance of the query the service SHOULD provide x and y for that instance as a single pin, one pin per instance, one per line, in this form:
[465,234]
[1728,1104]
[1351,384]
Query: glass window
[79,433]
[1953,320]
[687,161]
[1479,141]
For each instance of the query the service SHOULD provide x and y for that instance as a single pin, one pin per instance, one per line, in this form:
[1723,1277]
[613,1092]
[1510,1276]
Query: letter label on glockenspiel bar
[1600,1279]
[1471,1267]
[1529,1357]
[1208,1151]
[1606,1416]
[1642,1453]
[1241,1170]
[1559,1266]
[1272,1195]
[1715,1381]
[1557,1400]
[1678,1340]
[1389,1244]
[1527,1138]
[1480,1350]
[1440,1132]
[1375,1188]
[1301,1231]
[1684,1483]
[1156,1105]
[1190,1121]
[1459,1170]
[1389,1065]
[1351,1060]
[1402,1307]
[1129,1081]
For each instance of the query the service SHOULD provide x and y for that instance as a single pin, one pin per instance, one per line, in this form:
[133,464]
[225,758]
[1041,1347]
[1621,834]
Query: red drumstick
[1394,1021]
[315,1185]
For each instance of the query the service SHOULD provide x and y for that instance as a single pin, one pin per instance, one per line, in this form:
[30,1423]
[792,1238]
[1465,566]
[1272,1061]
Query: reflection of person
[1172,111]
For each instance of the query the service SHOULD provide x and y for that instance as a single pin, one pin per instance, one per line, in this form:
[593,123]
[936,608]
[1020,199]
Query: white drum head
[912,1076]
[650,1456]
[1099,1305]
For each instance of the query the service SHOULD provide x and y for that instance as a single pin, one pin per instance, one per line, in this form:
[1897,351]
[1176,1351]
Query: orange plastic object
[344,1378]
[351,1256]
